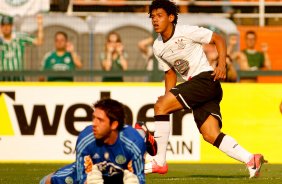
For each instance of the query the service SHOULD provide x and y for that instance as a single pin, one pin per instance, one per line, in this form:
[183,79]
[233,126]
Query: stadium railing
[155,75]
[261,5]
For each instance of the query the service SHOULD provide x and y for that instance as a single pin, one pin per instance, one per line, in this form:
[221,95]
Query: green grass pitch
[178,173]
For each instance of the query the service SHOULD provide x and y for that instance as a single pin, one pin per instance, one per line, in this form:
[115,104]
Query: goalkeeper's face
[102,128]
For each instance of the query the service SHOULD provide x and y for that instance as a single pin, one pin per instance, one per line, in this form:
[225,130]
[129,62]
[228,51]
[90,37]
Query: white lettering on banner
[41,123]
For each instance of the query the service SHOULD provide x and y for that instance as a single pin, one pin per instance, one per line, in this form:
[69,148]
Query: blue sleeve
[138,162]
[84,141]
[136,146]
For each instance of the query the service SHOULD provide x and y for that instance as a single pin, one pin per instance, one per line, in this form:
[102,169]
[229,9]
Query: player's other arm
[170,80]
[39,39]
[84,141]
[136,148]
[136,165]
[220,70]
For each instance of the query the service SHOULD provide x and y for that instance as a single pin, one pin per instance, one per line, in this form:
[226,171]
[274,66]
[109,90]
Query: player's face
[6,29]
[250,41]
[161,20]
[60,42]
[101,124]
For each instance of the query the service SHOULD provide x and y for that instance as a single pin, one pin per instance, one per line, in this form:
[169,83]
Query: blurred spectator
[183,8]
[12,47]
[238,58]
[63,58]
[227,8]
[146,48]
[256,59]
[212,56]
[114,58]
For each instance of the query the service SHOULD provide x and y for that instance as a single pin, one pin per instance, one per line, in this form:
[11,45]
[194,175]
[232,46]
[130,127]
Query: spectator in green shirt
[114,58]
[256,59]
[12,47]
[63,58]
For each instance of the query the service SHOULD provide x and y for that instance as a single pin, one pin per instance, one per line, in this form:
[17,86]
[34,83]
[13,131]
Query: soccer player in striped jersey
[179,49]
[12,47]
[106,151]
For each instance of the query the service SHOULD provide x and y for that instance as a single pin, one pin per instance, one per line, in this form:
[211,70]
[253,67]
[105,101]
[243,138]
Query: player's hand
[129,178]
[120,48]
[219,73]
[95,176]
[70,47]
[88,164]
[264,47]
[110,48]
[39,19]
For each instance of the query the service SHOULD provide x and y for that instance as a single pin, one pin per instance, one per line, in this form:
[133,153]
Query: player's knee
[209,138]
[159,108]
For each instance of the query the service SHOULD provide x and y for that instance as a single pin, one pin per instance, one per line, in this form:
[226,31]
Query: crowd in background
[64,56]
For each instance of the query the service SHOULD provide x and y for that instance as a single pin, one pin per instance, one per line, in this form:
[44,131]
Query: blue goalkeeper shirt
[126,153]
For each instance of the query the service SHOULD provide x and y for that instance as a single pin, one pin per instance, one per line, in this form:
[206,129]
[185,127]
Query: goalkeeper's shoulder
[87,131]
[131,136]
[86,136]
[131,133]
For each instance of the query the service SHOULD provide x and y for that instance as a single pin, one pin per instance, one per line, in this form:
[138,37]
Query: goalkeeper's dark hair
[113,109]
[169,7]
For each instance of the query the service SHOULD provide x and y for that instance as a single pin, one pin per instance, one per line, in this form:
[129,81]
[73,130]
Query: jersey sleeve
[136,147]
[25,38]
[198,34]
[84,139]
[44,61]
[138,163]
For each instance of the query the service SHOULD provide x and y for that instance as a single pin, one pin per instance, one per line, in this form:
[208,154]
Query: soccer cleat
[254,165]
[151,144]
[153,167]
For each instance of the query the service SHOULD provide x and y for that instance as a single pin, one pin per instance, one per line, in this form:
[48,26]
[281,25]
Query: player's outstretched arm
[220,70]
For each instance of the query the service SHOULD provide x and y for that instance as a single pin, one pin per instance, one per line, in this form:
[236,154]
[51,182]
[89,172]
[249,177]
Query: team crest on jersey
[67,60]
[182,66]
[180,44]
[106,155]
[69,180]
[120,159]
[53,61]
[96,156]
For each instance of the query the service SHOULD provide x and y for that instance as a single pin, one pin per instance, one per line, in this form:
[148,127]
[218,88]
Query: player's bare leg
[164,105]
[211,133]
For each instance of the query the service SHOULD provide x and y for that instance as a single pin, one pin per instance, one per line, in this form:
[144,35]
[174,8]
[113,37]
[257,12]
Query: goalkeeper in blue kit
[107,151]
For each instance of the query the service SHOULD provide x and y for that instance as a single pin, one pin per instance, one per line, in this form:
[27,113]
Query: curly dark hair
[169,7]
[113,109]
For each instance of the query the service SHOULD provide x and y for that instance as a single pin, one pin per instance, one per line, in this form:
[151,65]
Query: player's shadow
[217,176]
